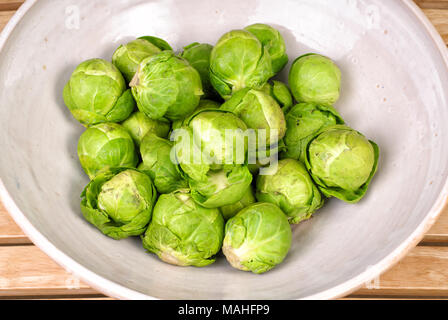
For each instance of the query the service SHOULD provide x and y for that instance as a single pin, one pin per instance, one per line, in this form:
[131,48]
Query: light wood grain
[439,19]
[422,273]
[439,231]
[10,5]
[432,4]
[27,271]
[4,18]
[10,233]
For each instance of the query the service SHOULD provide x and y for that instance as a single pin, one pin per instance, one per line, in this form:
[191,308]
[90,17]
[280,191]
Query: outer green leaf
[198,55]
[231,210]
[119,202]
[259,111]
[291,188]
[139,125]
[127,57]
[281,93]
[342,162]
[96,93]
[207,142]
[203,105]
[303,122]
[239,60]
[258,238]
[166,86]
[157,164]
[106,145]
[221,188]
[182,232]
[315,78]
[273,41]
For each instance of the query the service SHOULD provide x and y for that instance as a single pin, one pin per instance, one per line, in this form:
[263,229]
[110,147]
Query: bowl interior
[395,88]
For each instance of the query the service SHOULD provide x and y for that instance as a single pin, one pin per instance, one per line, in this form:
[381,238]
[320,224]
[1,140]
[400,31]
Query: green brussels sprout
[166,86]
[156,153]
[258,238]
[182,232]
[273,40]
[239,60]
[342,162]
[139,125]
[222,187]
[127,57]
[210,140]
[119,202]
[159,43]
[291,188]
[266,157]
[198,55]
[281,93]
[231,210]
[258,110]
[96,93]
[315,78]
[303,121]
[203,105]
[106,145]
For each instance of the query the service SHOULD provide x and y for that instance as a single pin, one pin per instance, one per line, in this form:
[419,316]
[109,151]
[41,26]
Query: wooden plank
[10,233]
[9,5]
[4,18]
[432,4]
[439,231]
[422,273]
[27,271]
[439,19]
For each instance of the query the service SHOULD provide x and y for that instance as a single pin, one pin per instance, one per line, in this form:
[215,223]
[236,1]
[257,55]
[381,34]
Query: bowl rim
[118,291]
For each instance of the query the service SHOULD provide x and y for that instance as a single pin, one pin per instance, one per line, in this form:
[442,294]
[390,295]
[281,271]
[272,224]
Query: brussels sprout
[258,110]
[139,125]
[222,187]
[96,93]
[166,86]
[315,78]
[267,156]
[127,57]
[303,122]
[342,162]
[231,210]
[106,145]
[157,164]
[159,43]
[182,232]
[119,202]
[198,55]
[273,40]
[210,140]
[258,238]
[203,105]
[291,188]
[281,93]
[239,60]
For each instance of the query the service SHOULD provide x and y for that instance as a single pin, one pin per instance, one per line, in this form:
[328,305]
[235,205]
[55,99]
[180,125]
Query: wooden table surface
[26,272]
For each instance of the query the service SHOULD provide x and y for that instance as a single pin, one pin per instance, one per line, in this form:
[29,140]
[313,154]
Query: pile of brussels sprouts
[143,182]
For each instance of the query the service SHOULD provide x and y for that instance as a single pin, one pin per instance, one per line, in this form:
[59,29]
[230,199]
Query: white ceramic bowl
[395,91]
